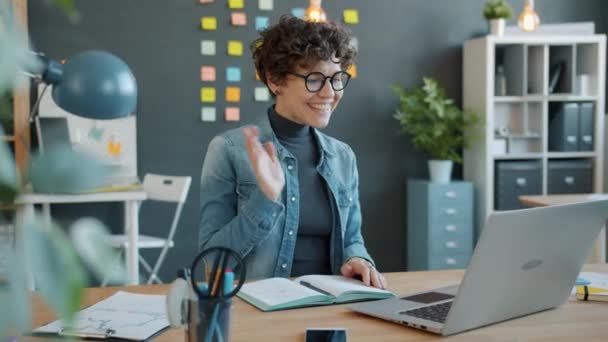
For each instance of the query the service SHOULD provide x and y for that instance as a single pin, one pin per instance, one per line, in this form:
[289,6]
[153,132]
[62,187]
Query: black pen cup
[209,320]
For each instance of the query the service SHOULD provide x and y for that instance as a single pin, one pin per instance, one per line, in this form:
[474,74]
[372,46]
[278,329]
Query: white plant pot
[497,27]
[440,170]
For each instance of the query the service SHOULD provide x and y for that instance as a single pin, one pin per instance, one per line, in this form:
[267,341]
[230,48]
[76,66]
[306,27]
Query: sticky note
[208,47]
[206,1]
[298,12]
[257,76]
[352,70]
[351,16]
[261,94]
[208,114]
[265,5]
[209,23]
[233,74]
[261,23]
[233,114]
[238,19]
[207,94]
[235,4]
[208,73]
[235,48]
[233,94]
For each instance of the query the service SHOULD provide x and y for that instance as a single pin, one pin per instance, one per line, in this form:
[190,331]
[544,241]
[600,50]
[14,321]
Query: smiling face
[296,103]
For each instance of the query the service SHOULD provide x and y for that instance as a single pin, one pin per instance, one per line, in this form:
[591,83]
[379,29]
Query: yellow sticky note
[207,94]
[233,94]
[209,23]
[351,16]
[235,48]
[352,70]
[233,114]
[235,3]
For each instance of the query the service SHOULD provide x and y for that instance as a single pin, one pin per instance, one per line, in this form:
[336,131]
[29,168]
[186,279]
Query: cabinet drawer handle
[569,180]
[450,261]
[450,211]
[450,244]
[450,194]
[450,228]
[521,181]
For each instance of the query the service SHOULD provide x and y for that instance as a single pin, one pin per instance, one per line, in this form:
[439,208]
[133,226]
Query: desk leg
[24,212]
[132,232]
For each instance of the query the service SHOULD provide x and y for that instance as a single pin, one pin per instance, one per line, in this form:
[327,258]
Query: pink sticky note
[238,19]
[206,1]
[233,114]
[208,73]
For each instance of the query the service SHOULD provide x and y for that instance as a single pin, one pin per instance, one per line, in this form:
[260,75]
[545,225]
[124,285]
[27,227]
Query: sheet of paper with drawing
[311,290]
[124,315]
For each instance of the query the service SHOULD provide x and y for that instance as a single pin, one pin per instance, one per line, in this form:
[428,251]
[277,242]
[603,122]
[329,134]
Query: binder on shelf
[585,126]
[563,128]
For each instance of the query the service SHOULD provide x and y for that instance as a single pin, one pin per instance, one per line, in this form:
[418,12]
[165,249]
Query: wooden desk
[598,254]
[132,200]
[575,320]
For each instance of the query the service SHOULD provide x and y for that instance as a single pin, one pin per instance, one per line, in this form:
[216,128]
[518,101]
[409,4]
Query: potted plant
[435,125]
[497,12]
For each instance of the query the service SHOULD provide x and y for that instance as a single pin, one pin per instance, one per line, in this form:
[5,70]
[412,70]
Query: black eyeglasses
[316,80]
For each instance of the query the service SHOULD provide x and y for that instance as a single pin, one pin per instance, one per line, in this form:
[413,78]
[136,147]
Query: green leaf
[59,275]
[92,241]
[62,170]
[15,315]
[9,183]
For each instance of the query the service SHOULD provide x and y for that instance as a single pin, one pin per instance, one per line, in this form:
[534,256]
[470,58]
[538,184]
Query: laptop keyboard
[435,313]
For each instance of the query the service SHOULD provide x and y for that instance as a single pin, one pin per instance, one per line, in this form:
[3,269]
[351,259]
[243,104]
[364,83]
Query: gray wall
[400,42]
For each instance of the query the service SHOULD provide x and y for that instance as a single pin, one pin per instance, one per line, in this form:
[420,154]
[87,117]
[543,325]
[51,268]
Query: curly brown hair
[295,42]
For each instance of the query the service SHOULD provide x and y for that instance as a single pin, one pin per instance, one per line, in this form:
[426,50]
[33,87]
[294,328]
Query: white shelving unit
[529,62]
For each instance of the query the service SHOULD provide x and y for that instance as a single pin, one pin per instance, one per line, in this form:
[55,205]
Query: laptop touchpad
[428,297]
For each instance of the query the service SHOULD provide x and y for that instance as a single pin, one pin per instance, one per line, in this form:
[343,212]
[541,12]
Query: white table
[132,200]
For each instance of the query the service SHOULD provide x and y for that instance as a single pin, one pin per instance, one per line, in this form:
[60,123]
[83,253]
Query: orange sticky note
[233,94]
[206,1]
[352,70]
[209,23]
[207,94]
[235,48]
[208,73]
[257,76]
[235,4]
[351,16]
[238,19]
[233,114]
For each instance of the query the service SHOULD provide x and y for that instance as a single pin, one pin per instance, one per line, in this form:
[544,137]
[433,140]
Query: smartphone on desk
[325,335]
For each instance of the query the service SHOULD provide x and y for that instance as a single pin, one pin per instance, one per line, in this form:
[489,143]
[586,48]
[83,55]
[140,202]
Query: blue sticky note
[233,74]
[261,23]
[298,12]
[581,281]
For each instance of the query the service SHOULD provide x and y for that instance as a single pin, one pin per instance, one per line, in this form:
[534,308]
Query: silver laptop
[525,261]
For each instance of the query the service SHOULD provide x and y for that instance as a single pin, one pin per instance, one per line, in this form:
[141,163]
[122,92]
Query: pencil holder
[209,320]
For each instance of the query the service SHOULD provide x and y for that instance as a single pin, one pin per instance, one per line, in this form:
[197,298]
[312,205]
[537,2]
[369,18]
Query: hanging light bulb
[528,19]
[315,13]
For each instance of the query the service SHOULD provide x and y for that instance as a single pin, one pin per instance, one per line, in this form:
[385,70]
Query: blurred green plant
[433,122]
[497,9]
[56,259]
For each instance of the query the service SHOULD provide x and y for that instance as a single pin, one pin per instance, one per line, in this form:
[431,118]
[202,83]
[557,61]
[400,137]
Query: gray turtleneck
[311,255]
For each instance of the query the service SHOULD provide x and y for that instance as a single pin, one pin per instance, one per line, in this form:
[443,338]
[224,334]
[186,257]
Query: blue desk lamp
[92,84]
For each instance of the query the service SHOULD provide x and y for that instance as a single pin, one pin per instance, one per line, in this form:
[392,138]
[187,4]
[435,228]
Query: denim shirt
[236,214]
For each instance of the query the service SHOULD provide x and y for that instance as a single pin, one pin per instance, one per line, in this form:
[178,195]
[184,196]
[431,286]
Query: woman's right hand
[265,164]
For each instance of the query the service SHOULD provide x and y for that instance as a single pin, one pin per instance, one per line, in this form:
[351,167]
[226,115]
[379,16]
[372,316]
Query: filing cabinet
[439,225]
[515,178]
[572,176]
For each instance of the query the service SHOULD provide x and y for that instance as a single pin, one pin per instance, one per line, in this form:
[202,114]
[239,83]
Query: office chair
[165,189]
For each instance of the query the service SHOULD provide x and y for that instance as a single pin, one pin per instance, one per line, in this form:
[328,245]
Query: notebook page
[336,285]
[274,291]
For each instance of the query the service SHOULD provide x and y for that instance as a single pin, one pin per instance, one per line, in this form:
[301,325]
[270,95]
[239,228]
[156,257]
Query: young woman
[281,193]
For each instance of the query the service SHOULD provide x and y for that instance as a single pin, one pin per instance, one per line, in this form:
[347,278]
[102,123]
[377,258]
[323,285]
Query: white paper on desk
[596,279]
[132,316]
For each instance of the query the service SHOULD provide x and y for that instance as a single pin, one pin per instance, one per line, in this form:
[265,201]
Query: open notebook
[311,290]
